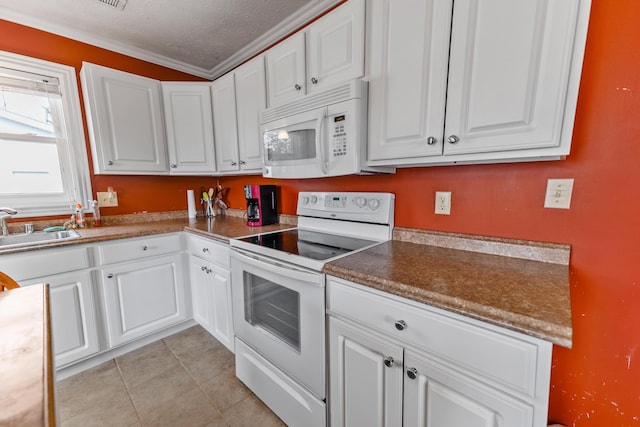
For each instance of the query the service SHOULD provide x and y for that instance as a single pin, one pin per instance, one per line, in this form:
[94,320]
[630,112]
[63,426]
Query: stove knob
[314,200]
[305,200]
[374,204]
[360,202]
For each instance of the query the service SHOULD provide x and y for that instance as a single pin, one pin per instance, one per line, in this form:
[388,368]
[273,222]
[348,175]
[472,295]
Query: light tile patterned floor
[187,379]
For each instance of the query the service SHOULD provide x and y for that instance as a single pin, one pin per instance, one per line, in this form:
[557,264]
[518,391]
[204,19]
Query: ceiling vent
[117,4]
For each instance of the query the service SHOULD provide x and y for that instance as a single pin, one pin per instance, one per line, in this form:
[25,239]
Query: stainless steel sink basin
[14,240]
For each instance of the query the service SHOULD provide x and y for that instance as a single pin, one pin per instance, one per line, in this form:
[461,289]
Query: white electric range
[278,292]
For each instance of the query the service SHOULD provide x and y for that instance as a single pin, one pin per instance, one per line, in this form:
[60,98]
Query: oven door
[279,311]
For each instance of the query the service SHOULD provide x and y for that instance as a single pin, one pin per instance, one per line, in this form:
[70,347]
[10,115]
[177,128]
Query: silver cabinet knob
[233,163]
[453,139]
[110,163]
[401,325]
[388,361]
[145,247]
[297,87]
[203,268]
[205,250]
[242,162]
[173,165]
[109,276]
[431,140]
[314,80]
[412,373]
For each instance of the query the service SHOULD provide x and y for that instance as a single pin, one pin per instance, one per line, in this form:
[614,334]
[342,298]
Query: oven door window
[273,308]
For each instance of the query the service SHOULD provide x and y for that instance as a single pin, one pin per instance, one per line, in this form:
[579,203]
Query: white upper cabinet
[189,123]
[329,51]
[223,94]
[125,120]
[251,98]
[510,87]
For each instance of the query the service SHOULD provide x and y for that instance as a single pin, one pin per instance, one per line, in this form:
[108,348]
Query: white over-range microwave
[319,135]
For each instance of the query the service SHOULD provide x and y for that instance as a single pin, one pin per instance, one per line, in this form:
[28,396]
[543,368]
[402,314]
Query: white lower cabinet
[396,362]
[72,301]
[211,288]
[143,297]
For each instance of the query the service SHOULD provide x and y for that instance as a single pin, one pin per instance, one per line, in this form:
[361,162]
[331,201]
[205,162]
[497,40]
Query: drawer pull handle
[388,361]
[401,325]
[205,269]
[205,250]
[145,247]
[412,373]
[109,276]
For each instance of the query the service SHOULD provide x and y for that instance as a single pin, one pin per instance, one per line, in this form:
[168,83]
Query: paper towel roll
[191,204]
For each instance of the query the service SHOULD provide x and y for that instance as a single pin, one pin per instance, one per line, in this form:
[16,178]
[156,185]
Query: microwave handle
[324,164]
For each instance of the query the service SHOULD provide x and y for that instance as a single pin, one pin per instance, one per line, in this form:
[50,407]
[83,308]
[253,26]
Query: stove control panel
[352,206]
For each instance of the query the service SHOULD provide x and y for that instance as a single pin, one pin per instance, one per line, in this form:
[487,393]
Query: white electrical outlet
[558,193]
[107,199]
[443,202]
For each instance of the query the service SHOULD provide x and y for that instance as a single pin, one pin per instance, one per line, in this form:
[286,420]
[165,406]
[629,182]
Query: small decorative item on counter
[79,216]
[97,221]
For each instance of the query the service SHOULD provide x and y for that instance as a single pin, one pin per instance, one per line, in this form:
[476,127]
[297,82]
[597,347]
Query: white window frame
[73,155]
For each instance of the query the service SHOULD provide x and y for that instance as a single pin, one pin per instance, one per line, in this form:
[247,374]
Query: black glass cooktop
[308,244]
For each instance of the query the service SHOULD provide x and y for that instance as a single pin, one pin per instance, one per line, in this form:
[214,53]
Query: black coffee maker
[261,205]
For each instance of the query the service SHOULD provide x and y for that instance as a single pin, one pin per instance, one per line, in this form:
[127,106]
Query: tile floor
[187,379]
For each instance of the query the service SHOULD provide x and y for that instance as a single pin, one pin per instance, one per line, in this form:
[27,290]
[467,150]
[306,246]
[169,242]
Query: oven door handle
[273,266]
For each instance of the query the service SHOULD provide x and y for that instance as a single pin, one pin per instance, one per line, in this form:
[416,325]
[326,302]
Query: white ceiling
[201,37]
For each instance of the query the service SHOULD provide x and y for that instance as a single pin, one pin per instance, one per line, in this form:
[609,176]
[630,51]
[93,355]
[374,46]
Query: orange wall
[597,382]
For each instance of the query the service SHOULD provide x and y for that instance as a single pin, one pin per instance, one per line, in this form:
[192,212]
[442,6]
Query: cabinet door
[251,99]
[509,72]
[189,121]
[74,327]
[335,47]
[225,120]
[365,377]
[211,291]
[436,396]
[126,128]
[286,70]
[408,57]
[143,297]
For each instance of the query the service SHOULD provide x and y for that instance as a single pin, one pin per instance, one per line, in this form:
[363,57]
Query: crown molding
[285,27]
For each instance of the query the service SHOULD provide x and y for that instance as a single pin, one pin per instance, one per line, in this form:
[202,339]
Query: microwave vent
[117,4]
[350,90]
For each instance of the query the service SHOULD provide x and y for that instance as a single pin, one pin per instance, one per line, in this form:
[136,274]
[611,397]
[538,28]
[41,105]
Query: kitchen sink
[14,240]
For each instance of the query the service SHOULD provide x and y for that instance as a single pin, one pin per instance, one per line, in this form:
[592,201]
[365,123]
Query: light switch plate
[107,199]
[558,194]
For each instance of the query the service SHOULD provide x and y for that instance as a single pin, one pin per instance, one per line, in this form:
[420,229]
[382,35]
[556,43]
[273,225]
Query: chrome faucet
[5,213]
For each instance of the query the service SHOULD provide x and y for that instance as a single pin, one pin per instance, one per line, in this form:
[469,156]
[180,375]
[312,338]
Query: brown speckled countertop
[528,296]
[222,227]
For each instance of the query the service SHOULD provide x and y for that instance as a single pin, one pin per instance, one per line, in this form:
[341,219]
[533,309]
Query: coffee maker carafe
[261,205]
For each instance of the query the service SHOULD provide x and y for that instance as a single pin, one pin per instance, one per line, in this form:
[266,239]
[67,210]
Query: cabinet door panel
[125,121]
[286,70]
[73,320]
[408,57]
[189,123]
[251,98]
[143,297]
[363,391]
[225,127]
[508,77]
[335,47]
[439,396]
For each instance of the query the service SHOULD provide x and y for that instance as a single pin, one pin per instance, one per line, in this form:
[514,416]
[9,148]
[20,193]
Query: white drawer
[45,262]
[138,248]
[209,250]
[508,359]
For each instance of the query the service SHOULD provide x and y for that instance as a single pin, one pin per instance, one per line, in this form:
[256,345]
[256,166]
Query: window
[43,158]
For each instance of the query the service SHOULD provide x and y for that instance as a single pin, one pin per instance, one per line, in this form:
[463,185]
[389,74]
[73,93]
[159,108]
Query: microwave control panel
[339,127]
